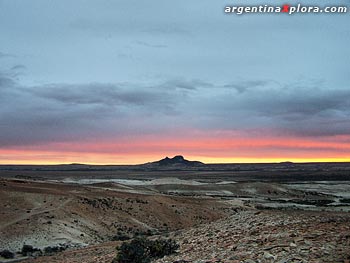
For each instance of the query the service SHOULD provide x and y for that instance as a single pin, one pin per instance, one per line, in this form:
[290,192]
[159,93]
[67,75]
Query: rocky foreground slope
[267,236]
[247,236]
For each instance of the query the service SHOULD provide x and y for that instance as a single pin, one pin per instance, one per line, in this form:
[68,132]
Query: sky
[126,82]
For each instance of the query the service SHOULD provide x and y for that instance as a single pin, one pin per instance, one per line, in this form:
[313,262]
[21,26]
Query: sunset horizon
[96,86]
[109,160]
[236,148]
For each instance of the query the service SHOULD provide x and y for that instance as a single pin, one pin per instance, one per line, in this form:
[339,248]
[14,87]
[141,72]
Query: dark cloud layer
[93,111]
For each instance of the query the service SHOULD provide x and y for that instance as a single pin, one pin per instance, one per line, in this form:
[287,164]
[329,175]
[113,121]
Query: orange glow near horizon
[100,160]
[220,148]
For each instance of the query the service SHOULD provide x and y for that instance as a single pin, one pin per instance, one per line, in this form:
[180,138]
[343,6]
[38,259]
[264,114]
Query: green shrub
[141,250]
[54,249]
[161,247]
[120,237]
[7,254]
[28,250]
[134,252]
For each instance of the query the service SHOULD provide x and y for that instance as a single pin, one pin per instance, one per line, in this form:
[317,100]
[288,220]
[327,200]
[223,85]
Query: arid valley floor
[249,213]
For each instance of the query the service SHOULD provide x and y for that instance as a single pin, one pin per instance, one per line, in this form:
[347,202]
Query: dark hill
[178,160]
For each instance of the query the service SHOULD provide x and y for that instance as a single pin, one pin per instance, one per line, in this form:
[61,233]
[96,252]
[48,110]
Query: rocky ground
[224,221]
[45,214]
[247,236]
[102,253]
[267,236]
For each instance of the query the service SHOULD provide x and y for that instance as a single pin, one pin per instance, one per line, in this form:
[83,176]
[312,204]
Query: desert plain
[278,212]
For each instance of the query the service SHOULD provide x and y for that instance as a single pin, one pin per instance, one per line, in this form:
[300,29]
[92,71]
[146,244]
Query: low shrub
[28,250]
[141,250]
[54,249]
[120,237]
[7,254]
[134,252]
[162,247]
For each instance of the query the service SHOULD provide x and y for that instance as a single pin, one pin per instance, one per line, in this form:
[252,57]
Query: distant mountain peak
[177,160]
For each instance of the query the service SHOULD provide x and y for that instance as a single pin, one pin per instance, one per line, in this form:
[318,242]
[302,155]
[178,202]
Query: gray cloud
[245,85]
[300,110]
[146,44]
[6,81]
[180,83]
[65,112]
[71,112]
[18,67]
[6,55]
[122,25]
[111,95]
